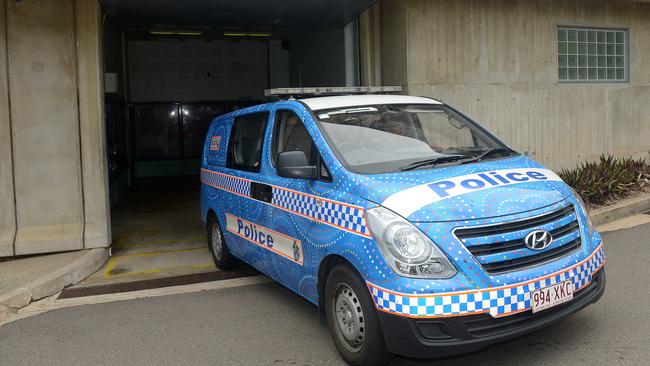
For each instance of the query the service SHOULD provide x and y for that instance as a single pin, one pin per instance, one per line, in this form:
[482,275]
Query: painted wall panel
[45,124]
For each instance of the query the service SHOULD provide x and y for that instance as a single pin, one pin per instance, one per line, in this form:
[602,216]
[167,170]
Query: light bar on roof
[336,90]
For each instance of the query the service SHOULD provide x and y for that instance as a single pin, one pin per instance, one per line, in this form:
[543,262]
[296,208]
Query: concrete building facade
[498,61]
[513,65]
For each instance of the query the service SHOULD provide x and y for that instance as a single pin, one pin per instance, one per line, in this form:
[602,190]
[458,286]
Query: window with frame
[592,54]
[246,141]
[290,134]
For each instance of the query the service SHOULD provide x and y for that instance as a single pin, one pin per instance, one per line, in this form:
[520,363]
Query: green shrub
[608,179]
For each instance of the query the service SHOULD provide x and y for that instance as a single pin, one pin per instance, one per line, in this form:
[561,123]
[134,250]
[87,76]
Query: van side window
[246,138]
[290,134]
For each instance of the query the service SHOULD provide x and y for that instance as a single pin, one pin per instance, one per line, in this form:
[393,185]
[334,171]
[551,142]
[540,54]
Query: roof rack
[288,93]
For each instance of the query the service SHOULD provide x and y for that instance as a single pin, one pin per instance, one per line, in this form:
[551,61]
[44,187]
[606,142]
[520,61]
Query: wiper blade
[485,154]
[434,161]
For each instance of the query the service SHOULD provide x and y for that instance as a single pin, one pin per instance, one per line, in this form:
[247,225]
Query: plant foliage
[607,179]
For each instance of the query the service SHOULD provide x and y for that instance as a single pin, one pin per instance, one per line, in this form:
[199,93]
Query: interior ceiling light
[175,33]
[241,34]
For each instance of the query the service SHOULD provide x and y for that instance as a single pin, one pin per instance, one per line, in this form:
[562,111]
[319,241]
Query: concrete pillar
[392,29]
[7,203]
[97,229]
[370,46]
[45,124]
[351,41]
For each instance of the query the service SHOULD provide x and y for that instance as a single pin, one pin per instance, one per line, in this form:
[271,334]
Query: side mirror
[294,164]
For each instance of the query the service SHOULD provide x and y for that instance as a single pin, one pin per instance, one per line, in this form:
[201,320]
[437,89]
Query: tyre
[220,253]
[352,319]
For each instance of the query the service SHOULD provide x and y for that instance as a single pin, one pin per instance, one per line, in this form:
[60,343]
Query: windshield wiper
[484,155]
[460,159]
[434,161]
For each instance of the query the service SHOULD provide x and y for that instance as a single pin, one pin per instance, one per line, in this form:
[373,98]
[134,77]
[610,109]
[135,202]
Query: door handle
[261,192]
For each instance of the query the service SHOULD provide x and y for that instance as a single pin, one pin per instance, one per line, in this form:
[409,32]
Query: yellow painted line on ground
[109,267]
[161,270]
[137,273]
[203,266]
[162,252]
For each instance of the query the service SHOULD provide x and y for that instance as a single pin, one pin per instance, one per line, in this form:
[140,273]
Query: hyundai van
[412,228]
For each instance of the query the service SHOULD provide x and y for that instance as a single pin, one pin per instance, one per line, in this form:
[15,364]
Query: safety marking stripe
[337,214]
[497,301]
[229,183]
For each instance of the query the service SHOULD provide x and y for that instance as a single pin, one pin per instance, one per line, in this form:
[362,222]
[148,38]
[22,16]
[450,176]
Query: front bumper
[444,337]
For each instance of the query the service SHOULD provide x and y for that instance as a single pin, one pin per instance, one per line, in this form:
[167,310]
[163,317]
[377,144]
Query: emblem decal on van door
[410,200]
[215,143]
[266,238]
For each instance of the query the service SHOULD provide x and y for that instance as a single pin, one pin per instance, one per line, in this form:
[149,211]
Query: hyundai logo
[538,239]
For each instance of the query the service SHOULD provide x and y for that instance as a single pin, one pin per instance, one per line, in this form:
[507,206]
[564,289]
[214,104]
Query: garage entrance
[170,68]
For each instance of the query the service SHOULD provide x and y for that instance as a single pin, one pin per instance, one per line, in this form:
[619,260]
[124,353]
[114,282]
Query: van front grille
[501,248]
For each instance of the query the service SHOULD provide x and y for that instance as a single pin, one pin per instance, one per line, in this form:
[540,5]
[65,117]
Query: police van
[413,229]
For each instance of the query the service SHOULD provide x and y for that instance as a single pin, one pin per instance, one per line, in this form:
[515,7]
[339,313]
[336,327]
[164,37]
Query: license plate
[550,296]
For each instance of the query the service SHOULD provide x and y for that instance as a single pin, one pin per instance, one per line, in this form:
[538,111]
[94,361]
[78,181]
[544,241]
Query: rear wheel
[352,319]
[220,254]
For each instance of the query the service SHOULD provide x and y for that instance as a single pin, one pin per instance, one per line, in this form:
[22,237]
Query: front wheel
[352,319]
[220,253]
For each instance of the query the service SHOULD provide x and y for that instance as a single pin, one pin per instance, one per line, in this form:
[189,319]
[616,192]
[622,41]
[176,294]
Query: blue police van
[413,229]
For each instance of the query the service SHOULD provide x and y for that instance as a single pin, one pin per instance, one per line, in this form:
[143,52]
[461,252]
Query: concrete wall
[370,46]
[317,58]
[392,37]
[51,76]
[196,70]
[497,61]
[278,65]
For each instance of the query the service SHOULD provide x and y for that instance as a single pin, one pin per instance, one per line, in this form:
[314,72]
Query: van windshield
[389,138]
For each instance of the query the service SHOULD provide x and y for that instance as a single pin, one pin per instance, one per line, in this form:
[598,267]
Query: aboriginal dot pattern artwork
[328,216]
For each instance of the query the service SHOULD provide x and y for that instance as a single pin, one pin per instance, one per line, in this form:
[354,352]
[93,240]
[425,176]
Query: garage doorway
[171,67]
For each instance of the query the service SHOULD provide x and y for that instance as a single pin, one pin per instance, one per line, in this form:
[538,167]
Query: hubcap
[217,246]
[350,325]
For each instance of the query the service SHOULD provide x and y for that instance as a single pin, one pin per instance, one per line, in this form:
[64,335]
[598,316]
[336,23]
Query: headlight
[588,224]
[409,252]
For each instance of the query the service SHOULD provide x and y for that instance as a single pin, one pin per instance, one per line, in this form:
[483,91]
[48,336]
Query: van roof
[342,101]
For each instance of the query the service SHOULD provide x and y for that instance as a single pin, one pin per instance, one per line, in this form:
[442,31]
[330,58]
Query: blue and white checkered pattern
[346,217]
[340,215]
[226,182]
[497,302]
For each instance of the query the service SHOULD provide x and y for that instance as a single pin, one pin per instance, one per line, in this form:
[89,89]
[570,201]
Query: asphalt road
[269,325]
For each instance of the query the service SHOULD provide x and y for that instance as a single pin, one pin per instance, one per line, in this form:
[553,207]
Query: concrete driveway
[269,325]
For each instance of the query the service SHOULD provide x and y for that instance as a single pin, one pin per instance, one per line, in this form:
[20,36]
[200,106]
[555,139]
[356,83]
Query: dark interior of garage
[171,67]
